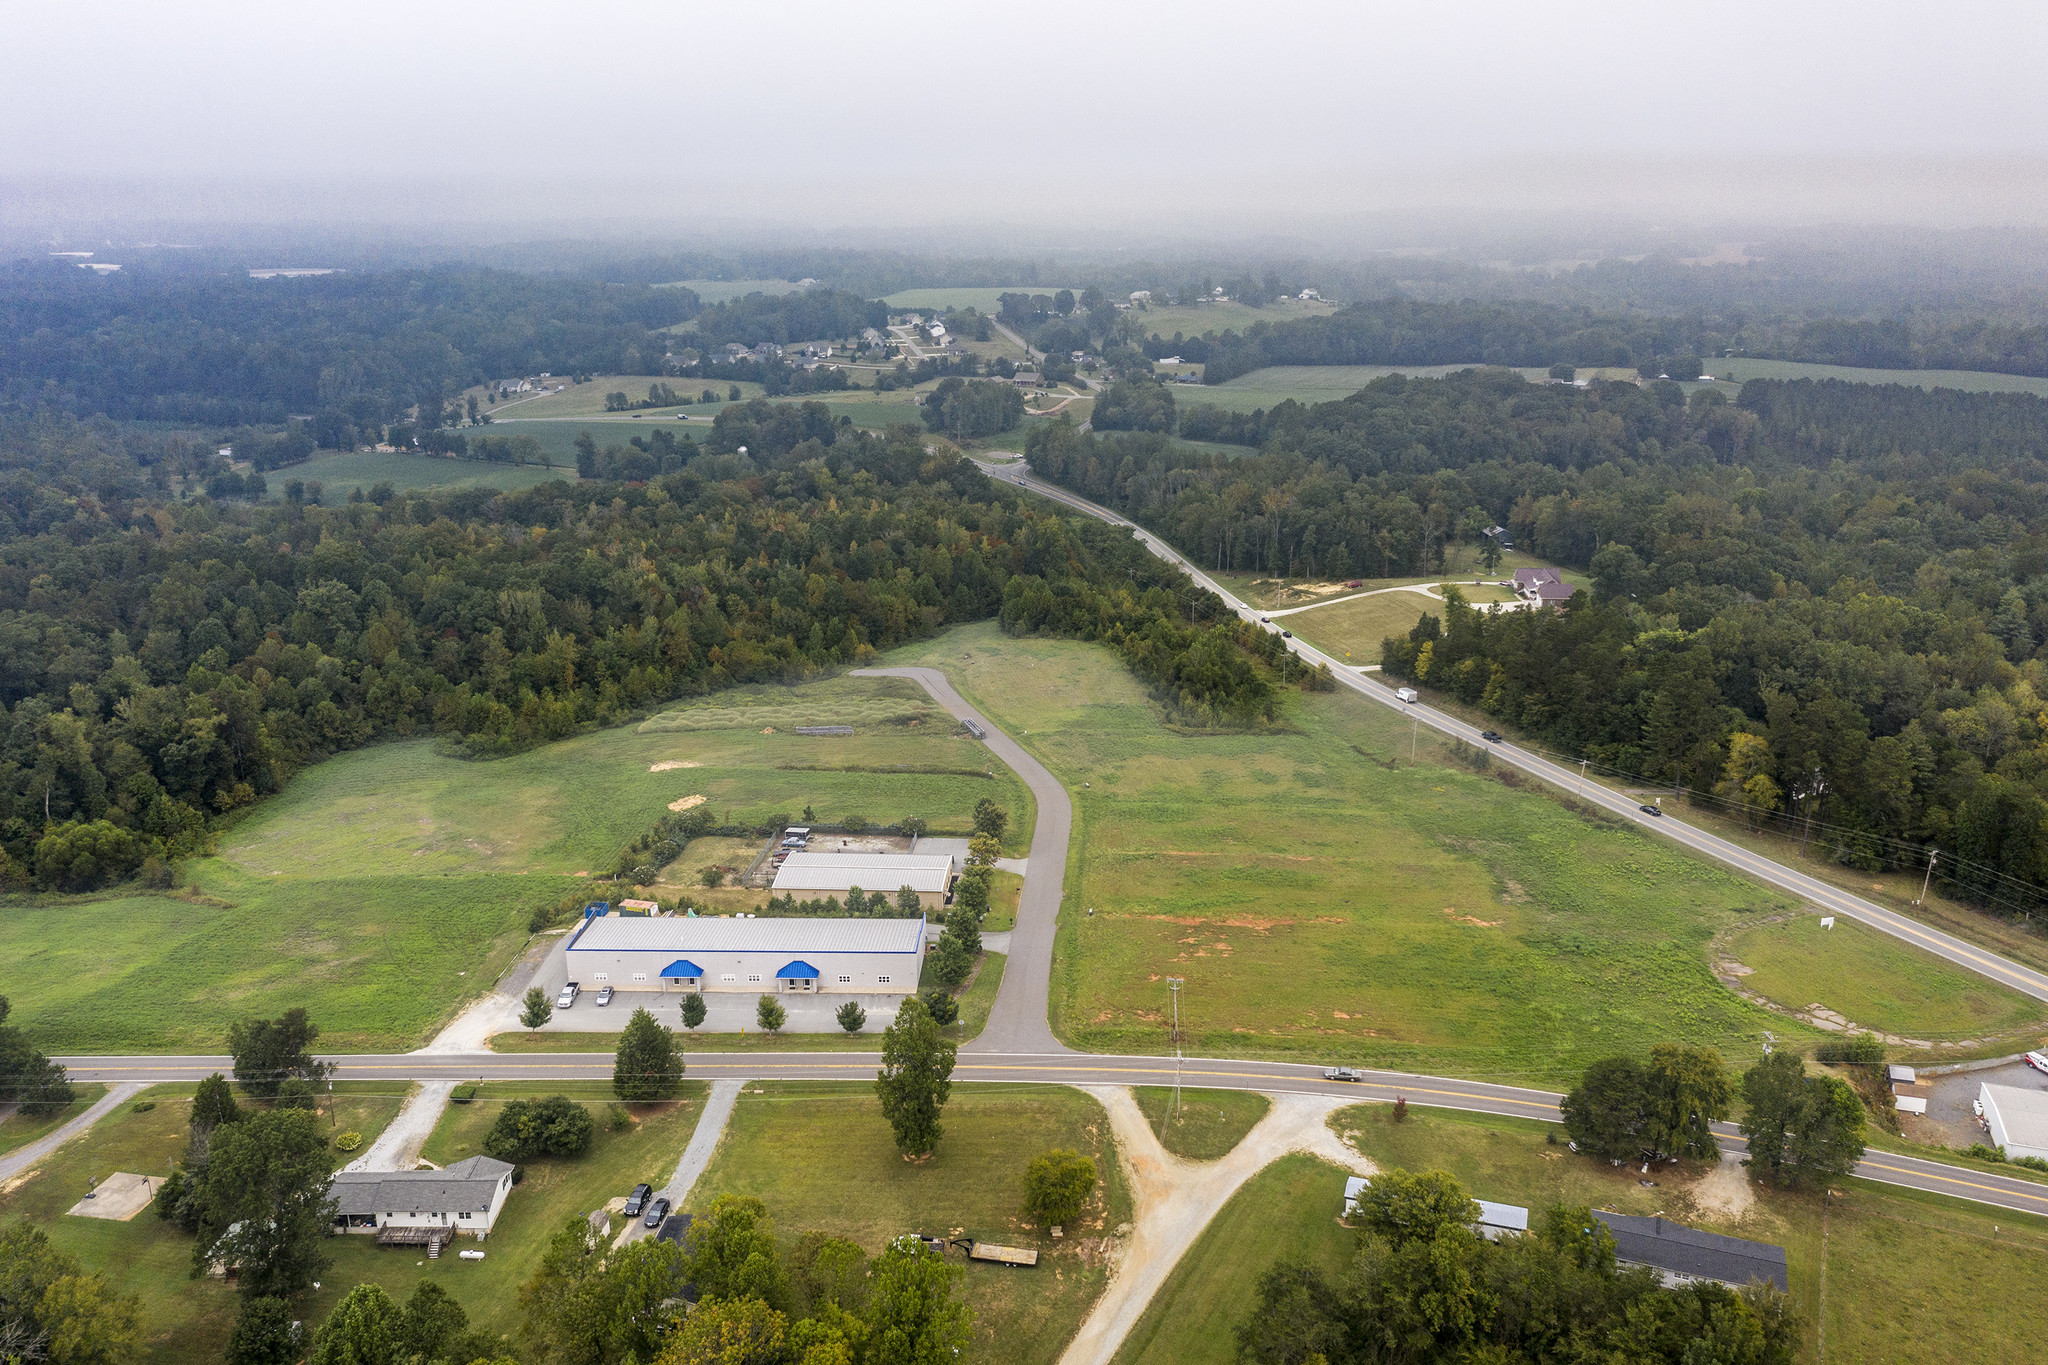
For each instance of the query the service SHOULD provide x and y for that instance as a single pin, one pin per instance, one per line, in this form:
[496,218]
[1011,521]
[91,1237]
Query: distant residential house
[1553,594]
[1546,586]
[767,350]
[937,329]
[1682,1254]
[411,1206]
[870,337]
[1308,294]
[1026,379]
[735,351]
[1141,296]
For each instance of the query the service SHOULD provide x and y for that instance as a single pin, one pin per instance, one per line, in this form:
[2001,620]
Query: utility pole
[1932,854]
[1582,779]
[1414,734]
[1174,983]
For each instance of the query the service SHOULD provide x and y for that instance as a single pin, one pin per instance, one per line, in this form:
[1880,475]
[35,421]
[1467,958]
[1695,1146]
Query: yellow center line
[1968,1184]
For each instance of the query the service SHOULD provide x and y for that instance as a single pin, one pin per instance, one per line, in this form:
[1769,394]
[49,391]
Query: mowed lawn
[341,474]
[587,399]
[183,1320]
[1874,980]
[1323,898]
[820,1156]
[385,888]
[1351,632]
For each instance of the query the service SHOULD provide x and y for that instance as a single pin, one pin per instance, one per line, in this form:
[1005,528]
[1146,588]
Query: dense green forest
[1825,603]
[162,664]
[348,351]
[802,315]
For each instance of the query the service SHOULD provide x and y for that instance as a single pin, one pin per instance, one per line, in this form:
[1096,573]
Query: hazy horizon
[1316,122]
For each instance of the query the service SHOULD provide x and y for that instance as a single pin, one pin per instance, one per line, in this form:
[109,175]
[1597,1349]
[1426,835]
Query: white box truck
[1407,694]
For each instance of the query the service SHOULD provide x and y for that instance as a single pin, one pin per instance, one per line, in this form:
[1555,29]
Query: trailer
[1002,1255]
[974,729]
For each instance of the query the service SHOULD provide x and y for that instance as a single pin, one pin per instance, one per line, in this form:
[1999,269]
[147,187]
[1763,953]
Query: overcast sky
[901,112]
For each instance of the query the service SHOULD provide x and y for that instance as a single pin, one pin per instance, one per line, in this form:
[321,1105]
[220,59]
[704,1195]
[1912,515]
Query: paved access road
[1829,898]
[1052,1068]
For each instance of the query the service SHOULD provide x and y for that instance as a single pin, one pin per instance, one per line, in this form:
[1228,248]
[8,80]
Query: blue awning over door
[681,967]
[798,971]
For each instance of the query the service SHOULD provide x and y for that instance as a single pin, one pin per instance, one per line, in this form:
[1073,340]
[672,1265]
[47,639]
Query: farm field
[819,1155]
[587,399]
[1909,1276]
[1325,898]
[415,873]
[1163,320]
[1268,593]
[1741,368]
[1308,384]
[719,291]
[1878,982]
[183,1320]
[980,297]
[342,473]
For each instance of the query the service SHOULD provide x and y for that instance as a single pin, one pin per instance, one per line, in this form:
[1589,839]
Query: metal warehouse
[679,953]
[807,875]
[2018,1119]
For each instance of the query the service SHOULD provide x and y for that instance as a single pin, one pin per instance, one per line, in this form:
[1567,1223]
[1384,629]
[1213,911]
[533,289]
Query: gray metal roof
[884,872]
[794,936]
[468,1186]
[2023,1112]
[1680,1250]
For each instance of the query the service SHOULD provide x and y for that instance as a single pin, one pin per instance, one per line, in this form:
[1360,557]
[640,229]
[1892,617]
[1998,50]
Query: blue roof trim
[682,966]
[797,970]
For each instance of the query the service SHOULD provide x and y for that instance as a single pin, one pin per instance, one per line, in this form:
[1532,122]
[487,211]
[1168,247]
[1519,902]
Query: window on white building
[727,976]
[754,977]
[845,980]
[882,980]
[639,976]
[600,976]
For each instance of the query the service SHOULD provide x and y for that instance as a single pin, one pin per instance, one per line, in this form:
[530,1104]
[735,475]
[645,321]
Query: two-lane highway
[1832,899]
[1054,1068]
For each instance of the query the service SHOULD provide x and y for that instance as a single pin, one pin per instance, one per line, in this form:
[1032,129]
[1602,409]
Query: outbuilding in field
[2018,1119]
[751,955]
[808,876]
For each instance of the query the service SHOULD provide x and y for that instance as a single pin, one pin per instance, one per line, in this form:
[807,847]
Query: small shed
[1912,1099]
[1898,1074]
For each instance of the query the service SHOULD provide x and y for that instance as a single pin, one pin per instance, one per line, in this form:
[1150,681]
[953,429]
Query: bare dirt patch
[1724,1191]
[670,765]
[1452,912]
[683,803]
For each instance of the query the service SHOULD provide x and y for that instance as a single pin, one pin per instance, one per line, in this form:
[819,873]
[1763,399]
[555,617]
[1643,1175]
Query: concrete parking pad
[119,1197]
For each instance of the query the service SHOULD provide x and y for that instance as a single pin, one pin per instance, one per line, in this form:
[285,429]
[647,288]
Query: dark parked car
[656,1211]
[1653,810]
[1490,736]
[636,1202]
[1287,635]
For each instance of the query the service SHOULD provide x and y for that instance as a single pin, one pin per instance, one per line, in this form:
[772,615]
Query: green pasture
[1203,319]
[385,888]
[1266,593]
[183,1319]
[587,399]
[1351,632]
[342,473]
[1206,1124]
[557,437]
[1741,368]
[1877,981]
[1323,897]
[1287,1210]
[982,298]
[820,1156]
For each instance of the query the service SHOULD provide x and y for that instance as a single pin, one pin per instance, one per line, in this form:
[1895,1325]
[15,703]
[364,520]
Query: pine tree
[693,1010]
[649,1065]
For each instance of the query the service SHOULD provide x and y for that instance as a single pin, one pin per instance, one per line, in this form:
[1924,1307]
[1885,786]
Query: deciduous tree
[1056,1184]
[263,1202]
[916,1078]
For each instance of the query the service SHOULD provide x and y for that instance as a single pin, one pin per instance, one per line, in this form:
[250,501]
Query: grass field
[1289,1209]
[1322,897]
[341,474]
[19,1129]
[1910,1277]
[982,298]
[1352,631]
[587,399]
[183,1320]
[1209,1123]
[1739,369]
[820,1156]
[1163,320]
[719,291]
[1875,980]
[1267,593]
[386,887]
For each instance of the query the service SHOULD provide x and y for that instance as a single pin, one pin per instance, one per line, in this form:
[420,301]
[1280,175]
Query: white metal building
[808,876]
[2018,1119]
[679,953]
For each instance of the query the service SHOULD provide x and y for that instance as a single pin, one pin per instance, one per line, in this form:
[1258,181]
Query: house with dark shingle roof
[463,1198]
[1681,1254]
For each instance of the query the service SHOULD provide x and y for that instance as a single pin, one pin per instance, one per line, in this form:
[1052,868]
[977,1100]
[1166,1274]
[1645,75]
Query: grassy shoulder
[1285,1210]
[183,1319]
[386,888]
[19,1129]
[1878,982]
[1325,898]
[820,1156]
[1207,1124]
